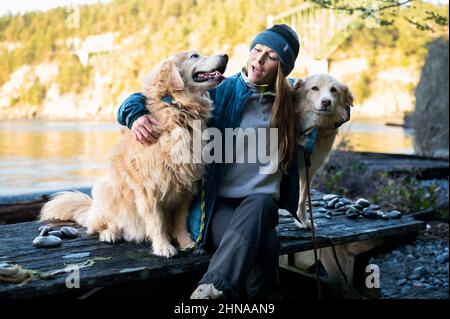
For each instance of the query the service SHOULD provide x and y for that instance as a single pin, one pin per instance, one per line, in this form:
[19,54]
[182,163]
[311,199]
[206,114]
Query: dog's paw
[186,243]
[305,224]
[108,236]
[164,250]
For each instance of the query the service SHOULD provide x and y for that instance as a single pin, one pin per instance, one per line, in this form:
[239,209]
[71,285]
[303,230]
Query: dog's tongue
[215,74]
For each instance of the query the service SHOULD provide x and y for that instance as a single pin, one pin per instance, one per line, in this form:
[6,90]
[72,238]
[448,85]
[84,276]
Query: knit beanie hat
[284,41]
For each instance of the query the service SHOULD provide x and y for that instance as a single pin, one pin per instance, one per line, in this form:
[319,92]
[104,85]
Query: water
[48,155]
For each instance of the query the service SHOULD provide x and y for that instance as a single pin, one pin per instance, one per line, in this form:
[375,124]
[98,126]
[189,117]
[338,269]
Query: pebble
[345,201]
[56,233]
[421,270]
[351,214]
[405,290]
[327,216]
[358,207]
[368,213]
[339,205]
[69,232]
[442,258]
[316,203]
[47,241]
[401,282]
[395,214]
[363,202]
[329,197]
[374,207]
[332,202]
[353,209]
[385,216]
[320,210]
[44,230]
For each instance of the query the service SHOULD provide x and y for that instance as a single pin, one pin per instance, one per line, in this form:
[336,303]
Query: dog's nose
[225,57]
[325,102]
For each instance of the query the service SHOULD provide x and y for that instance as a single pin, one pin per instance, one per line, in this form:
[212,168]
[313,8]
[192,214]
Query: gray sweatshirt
[243,179]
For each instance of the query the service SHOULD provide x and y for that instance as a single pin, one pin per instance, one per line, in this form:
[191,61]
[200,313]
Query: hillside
[82,62]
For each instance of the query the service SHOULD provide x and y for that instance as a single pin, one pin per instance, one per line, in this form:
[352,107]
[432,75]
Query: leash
[314,238]
[313,231]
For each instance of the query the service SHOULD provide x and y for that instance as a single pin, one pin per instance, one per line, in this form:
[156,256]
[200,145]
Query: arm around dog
[131,109]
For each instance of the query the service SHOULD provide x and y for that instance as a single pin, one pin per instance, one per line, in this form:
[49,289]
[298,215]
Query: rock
[332,202]
[353,208]
[374,207]
[345,201]
[358,207]
[442,258]
[363,202]
[418,284]
[317,203]
[69,232]
[329,197]
[8,270]
[410,258]
[405,290]
[56,233]
[44,230]
[352,214]
[339,205]
[401,282]
[414,277]
[432,95]
[421,271]
[320,210]
[369,213]
[327,216]
[395,214]
[385,216]
[47,241]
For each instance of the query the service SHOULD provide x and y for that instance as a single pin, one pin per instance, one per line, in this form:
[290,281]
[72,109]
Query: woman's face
[262,65]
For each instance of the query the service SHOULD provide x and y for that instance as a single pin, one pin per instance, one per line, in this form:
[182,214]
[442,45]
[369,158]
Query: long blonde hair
[283,119]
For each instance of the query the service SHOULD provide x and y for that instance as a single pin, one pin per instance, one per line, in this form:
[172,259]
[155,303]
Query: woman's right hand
[145,130]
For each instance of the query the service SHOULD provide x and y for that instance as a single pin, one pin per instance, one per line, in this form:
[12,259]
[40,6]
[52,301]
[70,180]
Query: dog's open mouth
[213,75]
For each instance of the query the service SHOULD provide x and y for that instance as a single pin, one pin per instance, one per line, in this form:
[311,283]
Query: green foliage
[72,75]
[404,193]
[35,95]
[351,178]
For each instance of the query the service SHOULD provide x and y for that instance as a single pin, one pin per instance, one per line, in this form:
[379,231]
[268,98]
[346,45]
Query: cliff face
[430,118]
[391,93]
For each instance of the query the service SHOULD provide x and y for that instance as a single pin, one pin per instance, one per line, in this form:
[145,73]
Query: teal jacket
[229,100]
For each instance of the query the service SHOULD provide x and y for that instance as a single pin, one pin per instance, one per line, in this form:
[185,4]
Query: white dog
[322,101]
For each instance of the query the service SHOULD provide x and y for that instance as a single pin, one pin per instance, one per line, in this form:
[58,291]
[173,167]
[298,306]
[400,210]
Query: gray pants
[242,234]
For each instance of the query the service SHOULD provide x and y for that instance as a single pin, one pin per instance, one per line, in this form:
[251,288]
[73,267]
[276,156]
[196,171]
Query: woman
[241,204]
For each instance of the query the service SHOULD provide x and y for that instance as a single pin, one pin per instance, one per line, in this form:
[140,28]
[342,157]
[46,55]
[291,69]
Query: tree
[386,12]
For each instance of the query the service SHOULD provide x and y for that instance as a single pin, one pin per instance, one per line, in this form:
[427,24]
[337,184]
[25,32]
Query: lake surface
[38,156]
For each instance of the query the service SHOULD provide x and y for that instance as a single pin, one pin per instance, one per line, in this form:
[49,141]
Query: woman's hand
[145,130]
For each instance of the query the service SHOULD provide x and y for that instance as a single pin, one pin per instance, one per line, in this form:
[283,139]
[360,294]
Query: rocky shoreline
[419,270]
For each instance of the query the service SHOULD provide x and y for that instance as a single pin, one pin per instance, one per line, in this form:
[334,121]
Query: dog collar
[168,99]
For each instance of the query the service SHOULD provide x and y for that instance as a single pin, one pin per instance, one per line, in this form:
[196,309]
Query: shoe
[206,291]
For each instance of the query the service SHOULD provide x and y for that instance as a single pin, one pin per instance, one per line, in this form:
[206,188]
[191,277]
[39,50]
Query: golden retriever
[322,101]
[148,192]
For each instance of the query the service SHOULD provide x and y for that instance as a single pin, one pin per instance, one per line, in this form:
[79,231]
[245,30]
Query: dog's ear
[348,95]
[298,84]
[170,76]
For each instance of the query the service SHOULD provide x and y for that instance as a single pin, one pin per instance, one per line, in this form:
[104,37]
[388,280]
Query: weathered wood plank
[128,262]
